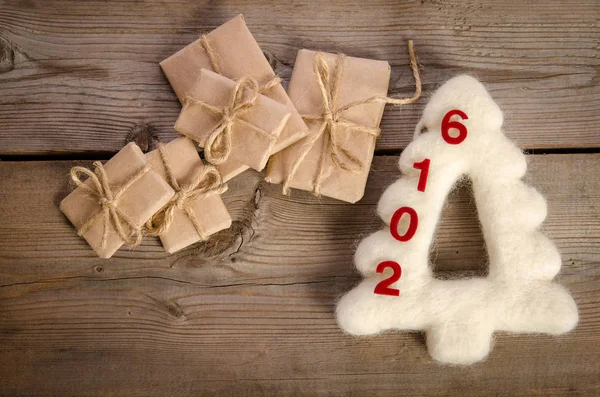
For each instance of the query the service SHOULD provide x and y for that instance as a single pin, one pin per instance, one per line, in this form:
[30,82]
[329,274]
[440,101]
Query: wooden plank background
[250,312]
[79,76]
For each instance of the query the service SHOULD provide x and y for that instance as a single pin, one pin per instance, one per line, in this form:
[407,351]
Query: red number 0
[412,227]
[447,124]
[424,167]
[383,288]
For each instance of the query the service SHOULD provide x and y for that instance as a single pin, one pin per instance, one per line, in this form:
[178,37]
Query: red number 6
[383,288]
[447,124]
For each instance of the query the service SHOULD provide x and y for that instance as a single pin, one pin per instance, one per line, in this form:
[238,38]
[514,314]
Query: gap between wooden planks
[251,311]
[79,77]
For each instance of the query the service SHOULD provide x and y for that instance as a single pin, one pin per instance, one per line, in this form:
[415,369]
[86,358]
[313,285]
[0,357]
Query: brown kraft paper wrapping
[139,202]
[238,55]
[254,127]
[360,79]
[210,212]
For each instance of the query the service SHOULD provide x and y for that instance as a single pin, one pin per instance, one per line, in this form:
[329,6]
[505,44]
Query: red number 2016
[447,124]
[383,288]
[412,226]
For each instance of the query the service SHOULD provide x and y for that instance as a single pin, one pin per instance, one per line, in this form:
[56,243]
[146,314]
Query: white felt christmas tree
[463,136]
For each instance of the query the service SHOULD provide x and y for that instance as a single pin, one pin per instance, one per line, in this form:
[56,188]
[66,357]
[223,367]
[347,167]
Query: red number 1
[424,167]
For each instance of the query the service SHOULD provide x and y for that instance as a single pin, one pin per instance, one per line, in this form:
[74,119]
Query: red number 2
[412,226]
[424,167]
[447,124]
[383,288]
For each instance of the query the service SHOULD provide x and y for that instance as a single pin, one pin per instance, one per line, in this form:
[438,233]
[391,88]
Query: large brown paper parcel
[238,55]
[209,211]
[254,124]
[148,194]
[360,79]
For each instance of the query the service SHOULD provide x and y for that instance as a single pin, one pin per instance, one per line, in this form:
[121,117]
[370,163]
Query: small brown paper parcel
[234,54]
[196,210]
[342,100]
[110,208]
[231,121]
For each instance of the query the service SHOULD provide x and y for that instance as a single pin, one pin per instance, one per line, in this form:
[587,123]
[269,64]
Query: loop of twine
[331,120]
[243,98]
[207,183]
[108,200]
[215,63]
[218,145]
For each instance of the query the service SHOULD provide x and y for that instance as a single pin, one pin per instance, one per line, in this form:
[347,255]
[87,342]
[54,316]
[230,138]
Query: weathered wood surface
[79,76]
[250,312]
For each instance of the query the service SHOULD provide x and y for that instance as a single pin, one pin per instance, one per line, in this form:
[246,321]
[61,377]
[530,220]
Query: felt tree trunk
[462,137]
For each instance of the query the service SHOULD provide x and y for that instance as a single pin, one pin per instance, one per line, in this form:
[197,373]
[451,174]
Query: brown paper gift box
[361,79]
[248,146]
[239,55]
[144,198]
[210,212]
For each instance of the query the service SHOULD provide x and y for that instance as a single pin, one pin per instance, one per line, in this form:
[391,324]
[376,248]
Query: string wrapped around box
[342,100]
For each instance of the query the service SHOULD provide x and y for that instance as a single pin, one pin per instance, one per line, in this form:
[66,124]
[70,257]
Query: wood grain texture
[78,77]
[250,312]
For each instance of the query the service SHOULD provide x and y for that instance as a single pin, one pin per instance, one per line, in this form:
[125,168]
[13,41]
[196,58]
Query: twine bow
[217,147]
[207,183]
[108,200]
[332,121]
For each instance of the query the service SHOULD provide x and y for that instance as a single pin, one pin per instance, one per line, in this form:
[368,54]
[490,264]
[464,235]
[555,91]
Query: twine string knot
[207,183]
[244,94]
[104,202]
[108,200]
